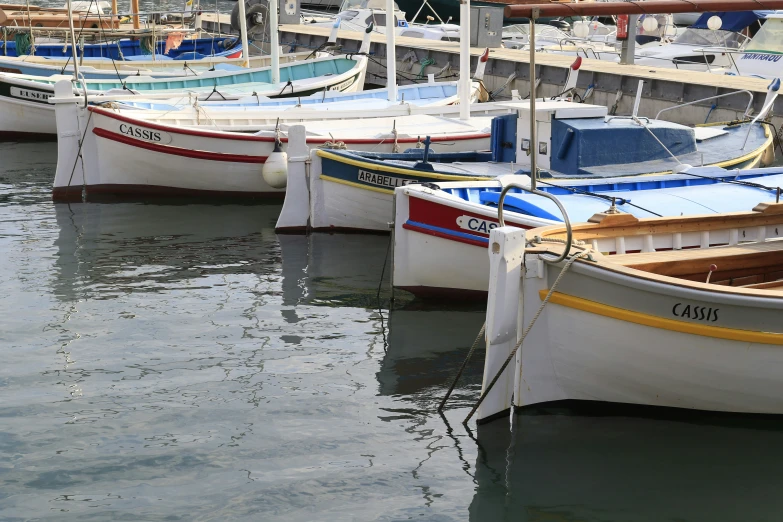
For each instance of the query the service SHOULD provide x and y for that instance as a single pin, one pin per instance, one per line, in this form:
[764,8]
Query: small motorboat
[679,312]
[701,48]
[762,56]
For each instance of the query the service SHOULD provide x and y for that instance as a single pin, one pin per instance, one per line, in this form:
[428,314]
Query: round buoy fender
[275,169]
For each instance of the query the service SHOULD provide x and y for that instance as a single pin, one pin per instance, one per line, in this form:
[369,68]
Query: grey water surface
[184,362]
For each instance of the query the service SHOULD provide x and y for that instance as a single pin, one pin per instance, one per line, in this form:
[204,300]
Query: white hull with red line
[441,232]
[105,154]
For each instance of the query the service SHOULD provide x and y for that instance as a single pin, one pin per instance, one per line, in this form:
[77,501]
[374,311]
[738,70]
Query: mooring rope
[79,156]
[524,334]
[462,368]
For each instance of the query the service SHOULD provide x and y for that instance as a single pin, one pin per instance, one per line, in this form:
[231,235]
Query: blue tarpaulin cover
[736,21]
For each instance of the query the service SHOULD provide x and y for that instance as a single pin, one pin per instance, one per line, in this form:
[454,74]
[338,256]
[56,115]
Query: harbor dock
[613,85]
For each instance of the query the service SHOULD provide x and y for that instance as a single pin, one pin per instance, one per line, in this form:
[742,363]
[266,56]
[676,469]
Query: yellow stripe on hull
[653,321]
[357,185]
[397,170]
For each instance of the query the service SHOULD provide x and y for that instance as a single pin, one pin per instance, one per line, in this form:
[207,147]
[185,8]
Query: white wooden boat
[106,68]
[26,114]
[453,220]
[355,189]
[107,154]
[699,48]
[679,312]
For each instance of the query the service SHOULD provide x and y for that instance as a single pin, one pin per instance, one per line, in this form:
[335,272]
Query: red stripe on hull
[445,216]
[270,139]
[108,192]
[178,151]
[444,235]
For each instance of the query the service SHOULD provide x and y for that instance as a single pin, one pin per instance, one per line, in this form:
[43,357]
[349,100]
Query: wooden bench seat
[745,264]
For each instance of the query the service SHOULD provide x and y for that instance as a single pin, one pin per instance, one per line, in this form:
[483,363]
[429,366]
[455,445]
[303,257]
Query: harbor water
[183,362]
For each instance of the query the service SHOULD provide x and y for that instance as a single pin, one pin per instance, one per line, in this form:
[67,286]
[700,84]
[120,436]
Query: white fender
[573,75]
[481,65]
[333,35]
[366,40]
[275,169]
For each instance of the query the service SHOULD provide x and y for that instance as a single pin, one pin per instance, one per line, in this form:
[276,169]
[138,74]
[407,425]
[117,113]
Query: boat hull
[28,118]
[124,157]
[433,225]
[611,337]
[23,120]
[359,197]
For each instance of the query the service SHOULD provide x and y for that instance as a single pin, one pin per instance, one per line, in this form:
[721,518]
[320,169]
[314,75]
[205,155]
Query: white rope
[637,120]
[527,330]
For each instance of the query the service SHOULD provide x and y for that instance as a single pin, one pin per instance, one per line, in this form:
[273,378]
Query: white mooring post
[274,39]
[463,87]
[296,207]
[506,255]
[391,53]
[69,176]
[243,34]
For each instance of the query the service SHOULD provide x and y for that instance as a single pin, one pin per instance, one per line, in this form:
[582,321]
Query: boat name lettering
[475,224]
[700,313]
[342,85]
[145,134]
[762,57]
[30,95]
[383,181]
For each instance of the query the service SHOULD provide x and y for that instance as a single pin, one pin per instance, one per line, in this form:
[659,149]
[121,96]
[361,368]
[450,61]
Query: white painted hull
[593,358]
[576,354]
[418,265]
[345,207]
[144,66]
[640,328]
[29,118]
[344,204]
[21,119]
[127,157]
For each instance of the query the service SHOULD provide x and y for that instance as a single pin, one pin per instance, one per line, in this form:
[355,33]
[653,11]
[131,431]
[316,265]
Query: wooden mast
[135,13]
[515,10]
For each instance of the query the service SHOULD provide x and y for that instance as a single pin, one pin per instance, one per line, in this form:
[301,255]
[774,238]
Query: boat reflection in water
[425,349]
[109,249]
[424,346]
[342,270]
[581,466]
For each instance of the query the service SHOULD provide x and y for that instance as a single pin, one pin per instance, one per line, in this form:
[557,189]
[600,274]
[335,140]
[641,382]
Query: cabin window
[379,19]
[700,58]
[769,37]
[347,15]
[708,38]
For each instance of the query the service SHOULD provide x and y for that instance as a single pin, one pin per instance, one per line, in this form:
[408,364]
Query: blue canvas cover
[581,143]
[734,21]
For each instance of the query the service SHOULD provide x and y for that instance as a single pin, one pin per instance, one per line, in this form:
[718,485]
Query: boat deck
[755,265]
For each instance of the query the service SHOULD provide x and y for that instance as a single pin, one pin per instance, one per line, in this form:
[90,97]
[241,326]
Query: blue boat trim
[447,231]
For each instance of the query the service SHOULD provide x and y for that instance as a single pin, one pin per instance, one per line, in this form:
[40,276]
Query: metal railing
[747,109]
[549,196]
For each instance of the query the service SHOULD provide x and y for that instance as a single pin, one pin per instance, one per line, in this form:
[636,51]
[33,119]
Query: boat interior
[742,249]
